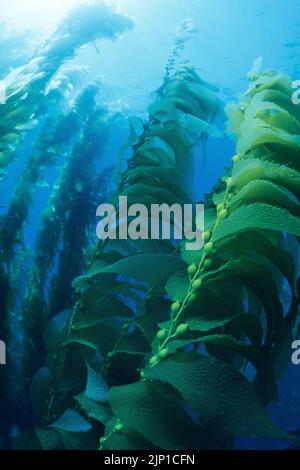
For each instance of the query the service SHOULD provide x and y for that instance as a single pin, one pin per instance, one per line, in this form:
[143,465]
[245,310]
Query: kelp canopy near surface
[142,344]
[24,88]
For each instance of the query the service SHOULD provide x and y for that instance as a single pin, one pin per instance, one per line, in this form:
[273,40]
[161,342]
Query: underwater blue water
[231,35]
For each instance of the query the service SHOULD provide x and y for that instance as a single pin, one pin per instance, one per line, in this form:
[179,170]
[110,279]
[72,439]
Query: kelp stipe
[47,144]
[78,195]
[121,298]
[63,235]
[228,299]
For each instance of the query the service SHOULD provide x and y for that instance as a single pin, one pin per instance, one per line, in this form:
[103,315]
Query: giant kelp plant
[142,344]
[229,299]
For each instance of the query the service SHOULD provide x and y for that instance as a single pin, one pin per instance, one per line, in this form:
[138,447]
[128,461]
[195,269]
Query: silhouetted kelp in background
[38,98]
[142,344]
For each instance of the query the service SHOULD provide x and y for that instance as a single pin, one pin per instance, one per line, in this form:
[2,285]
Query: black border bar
[92,459]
